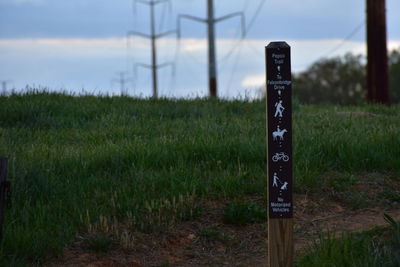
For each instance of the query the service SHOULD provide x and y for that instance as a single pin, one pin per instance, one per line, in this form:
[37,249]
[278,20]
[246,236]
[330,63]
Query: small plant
[393,224]
[243,213]
[390,196]
[214,235]
[357,200]
[343,182]
[99,242]
[165,264]
[210,234]
[394,242]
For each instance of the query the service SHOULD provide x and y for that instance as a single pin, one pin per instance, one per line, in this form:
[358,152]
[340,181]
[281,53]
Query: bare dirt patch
[207,241]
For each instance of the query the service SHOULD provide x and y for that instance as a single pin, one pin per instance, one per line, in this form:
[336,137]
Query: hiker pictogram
[279,109]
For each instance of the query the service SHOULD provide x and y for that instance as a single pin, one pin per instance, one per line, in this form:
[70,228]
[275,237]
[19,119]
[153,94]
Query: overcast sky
[77,45]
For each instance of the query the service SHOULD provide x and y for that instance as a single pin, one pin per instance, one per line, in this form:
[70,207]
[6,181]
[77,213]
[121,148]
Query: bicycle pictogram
[280,156]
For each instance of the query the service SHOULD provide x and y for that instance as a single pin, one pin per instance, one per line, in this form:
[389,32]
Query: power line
[176,60]
[153,38]
[246,5]
[249,26]
[239,44]
[193,73]
[258,10]
[336,47]
[347,38]
[211,21]
[162,19]
[234,69]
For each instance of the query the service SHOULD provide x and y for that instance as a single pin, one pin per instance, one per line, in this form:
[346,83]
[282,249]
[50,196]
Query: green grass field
[75,161]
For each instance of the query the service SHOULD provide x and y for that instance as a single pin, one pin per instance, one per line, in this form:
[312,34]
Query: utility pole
[212,81]
[122,81]
[211,21]
[4,86]
[153,38]
[377,66]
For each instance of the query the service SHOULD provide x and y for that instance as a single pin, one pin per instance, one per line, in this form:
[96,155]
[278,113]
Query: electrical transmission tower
[211,21]
[122,80]
[377,65]
[4,86]
[153,37]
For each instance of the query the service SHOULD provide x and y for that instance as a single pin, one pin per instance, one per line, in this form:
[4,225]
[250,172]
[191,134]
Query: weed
[238,213]
[392,223]
[377,247]
[161,214]
[211,234]
[342,183]
[165,264]
[390,196]
[99,242]
[357,200]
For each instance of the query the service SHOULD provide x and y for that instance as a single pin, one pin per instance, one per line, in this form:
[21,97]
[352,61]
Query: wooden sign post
[279,140]
[4,187]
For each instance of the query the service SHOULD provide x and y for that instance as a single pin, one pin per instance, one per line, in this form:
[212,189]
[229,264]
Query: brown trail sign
[279,140]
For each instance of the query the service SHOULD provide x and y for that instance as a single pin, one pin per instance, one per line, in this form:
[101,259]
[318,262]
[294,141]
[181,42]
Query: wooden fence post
[279,141]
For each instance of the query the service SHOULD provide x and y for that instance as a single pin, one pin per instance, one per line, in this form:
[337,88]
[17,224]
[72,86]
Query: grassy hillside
[77,160]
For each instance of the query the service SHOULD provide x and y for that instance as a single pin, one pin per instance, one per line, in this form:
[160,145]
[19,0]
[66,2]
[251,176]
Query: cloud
[70,47]
[392,45]
[252,81]
[92,62]
[192,45]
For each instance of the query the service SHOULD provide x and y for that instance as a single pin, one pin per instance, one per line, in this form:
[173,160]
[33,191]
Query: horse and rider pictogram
[278,133]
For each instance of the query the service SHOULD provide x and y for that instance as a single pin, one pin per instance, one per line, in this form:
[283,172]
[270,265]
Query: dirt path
[208,242]
[342,203]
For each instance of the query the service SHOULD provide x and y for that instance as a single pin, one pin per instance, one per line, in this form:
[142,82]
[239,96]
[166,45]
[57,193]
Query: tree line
[342,80]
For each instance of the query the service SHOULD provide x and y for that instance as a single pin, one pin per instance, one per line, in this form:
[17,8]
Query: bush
[341,80]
